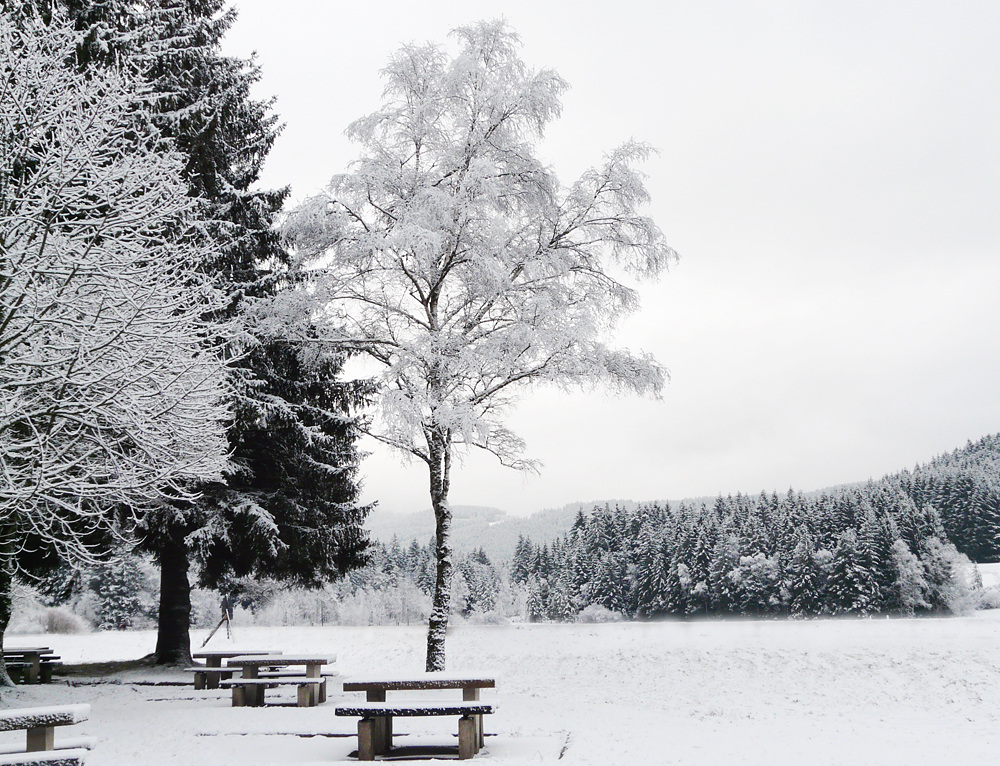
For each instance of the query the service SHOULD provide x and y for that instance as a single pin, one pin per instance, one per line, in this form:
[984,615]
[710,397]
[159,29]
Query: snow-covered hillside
[901,691]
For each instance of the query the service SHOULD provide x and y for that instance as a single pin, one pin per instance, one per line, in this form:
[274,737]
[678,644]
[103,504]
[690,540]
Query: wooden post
[40,738]
[212,679]
[468,737]
[383,724]
[34,660]
[313,670]
[305,695]
[199,680]
[472,695]
[254,695]
[366,739]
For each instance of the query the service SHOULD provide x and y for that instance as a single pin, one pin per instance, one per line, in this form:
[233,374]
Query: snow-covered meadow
[879,691]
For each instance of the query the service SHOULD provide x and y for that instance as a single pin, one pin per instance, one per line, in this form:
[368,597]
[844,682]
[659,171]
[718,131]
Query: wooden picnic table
[376,687]
[32,655]
[249,688]
[213,661]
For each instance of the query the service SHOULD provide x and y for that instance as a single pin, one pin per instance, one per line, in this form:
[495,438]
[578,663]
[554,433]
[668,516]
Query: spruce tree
[803,580]
[850,585]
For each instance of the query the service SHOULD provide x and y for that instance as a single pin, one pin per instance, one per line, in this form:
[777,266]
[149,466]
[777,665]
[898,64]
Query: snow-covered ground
[873,691]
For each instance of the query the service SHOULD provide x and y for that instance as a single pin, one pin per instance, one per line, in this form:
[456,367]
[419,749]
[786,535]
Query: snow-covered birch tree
[109,398]
[451,256]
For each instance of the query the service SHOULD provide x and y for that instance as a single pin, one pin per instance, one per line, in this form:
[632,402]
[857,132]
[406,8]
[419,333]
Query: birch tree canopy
[108,395]
[451,255]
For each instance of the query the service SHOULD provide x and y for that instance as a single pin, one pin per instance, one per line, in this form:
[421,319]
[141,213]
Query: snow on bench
[45,758]
[40,723]
[370,736]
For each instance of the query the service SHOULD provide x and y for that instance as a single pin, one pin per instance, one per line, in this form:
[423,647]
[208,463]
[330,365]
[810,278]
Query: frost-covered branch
[109,395]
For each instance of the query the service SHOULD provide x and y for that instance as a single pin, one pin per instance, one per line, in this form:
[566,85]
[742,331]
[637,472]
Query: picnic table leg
[35,668]
[383,724]
[311,695]
[468,737]
[212,679]
[472,695]
[40,738]
[367,735]
[248,696]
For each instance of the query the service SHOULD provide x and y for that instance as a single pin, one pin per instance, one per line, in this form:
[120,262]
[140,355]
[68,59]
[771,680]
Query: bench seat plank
[212,671]
[415,708]
[290,681]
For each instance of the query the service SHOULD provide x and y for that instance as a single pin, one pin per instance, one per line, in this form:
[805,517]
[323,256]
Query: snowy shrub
[58,619]
[911,584]
[596,613]
[205,610]
[488,618]
[949,576]
[989,598]
[27,609]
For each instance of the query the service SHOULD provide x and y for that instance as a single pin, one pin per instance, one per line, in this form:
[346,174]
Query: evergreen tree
[118,587]
[850,585]
[651,577]
[724,577]
[803,579]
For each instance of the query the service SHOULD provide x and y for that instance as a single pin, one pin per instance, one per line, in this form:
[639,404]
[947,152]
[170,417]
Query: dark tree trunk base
[173,638]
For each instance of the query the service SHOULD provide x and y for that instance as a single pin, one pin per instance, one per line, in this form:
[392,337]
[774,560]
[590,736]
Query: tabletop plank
[282,659]
[419,681]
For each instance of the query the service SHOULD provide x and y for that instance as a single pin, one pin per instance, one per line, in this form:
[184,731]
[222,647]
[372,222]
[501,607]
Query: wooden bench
[31,665]
[371,743]
[39,724]
[209,678]
[305,689]
[376,689]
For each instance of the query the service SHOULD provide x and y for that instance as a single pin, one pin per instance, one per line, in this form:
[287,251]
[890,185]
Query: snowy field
[878,691]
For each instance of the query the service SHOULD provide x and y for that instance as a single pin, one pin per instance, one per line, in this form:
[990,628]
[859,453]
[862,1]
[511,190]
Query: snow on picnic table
[875,691]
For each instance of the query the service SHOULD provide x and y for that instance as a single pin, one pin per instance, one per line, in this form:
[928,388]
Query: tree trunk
[6,581]
[437,627]
[173,640]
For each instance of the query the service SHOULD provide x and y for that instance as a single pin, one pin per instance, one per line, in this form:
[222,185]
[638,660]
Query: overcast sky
[830,175]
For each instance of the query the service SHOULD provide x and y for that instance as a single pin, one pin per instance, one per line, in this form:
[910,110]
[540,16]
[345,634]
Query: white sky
[829,173]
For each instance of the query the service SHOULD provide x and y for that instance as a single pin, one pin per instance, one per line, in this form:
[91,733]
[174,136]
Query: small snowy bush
[989,598]
[598,613]
[58,619]
[27,609]
[492,617]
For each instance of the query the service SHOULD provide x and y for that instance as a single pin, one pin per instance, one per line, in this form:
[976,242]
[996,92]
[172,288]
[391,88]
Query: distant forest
[902,544]
[899,545]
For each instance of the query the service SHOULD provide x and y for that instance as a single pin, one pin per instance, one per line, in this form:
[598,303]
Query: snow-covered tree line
[964,487]
[394,588]
[869,550]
